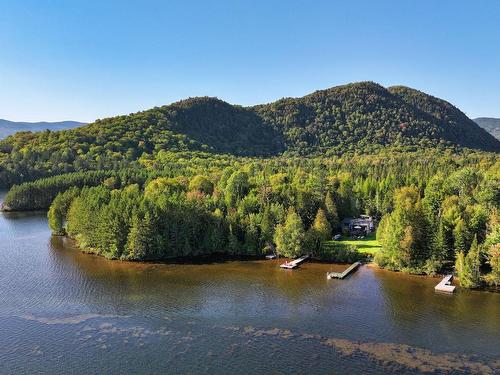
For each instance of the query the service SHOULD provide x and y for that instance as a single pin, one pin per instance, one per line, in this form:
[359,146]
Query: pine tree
[267,226]
[236,188]
[493,245]
[440,249]
[289,237]
[468,269]
[233,243]
[404,234]
[493,278]
[55,220]
[407,245]
[141,240]
[322,226]
[460,266]
[319,232]
[459,235]
[474,259]
[59,209]
[331,211]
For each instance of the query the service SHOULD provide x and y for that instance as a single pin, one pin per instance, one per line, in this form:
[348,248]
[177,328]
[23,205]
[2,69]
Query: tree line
[435,213]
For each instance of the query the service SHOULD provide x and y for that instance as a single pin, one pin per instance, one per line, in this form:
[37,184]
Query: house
[360,226]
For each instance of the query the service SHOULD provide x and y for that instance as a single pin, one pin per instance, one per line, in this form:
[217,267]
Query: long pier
[294,263]
[341,275]
[445,285]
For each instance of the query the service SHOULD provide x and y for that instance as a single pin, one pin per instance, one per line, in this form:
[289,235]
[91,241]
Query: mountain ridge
[376,103]
[490,124]
[362,117]
[8,127]
[337,119]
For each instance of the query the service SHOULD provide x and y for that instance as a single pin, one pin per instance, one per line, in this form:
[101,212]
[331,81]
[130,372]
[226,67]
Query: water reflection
[52,294]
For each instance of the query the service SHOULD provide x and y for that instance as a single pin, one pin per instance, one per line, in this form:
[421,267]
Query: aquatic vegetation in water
[407,356]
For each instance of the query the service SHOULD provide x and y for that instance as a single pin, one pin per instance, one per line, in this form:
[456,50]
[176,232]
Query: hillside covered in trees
[356,118]
[202,176]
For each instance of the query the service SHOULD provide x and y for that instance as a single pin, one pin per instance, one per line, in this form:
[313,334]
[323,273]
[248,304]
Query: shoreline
[198,259]
[220,258]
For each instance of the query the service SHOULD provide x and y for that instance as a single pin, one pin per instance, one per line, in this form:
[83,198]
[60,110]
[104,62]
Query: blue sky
[84,60]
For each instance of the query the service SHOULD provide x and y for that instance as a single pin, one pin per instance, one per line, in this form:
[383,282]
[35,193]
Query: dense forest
[356,118]
[201,177]
[434,209]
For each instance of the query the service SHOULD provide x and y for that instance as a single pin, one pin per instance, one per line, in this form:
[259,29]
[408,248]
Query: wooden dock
[341,275]
[445,285]
[294,263]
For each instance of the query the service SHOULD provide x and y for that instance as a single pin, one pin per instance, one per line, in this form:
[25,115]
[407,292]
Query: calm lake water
[62,311]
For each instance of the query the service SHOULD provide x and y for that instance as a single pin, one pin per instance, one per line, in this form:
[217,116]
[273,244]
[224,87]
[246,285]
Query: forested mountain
[492,125]
[359,117]
[365,116]
[449,123]
[10,127]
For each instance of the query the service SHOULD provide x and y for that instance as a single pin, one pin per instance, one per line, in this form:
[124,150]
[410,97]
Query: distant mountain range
[10,127]
[362,117]
[491,124]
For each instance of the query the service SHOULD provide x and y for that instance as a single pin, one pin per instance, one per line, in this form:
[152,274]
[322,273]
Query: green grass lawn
[368,245]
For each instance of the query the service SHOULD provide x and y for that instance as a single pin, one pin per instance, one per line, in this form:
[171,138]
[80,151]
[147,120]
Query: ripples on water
[62,311]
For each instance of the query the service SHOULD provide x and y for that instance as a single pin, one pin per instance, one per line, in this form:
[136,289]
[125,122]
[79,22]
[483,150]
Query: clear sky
[83,60]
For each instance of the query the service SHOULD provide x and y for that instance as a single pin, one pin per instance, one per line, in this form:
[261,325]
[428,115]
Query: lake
[62,311]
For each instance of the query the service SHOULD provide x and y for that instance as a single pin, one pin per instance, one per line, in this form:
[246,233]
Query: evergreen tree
[331,211]
[110,233]
[289,237]
[141,238]
[460,267]
[468,269]
[236,188]
[267,225]
[493,249]
[59,209]
[320,231]
[493,278]
[459,235]
[440,249]
[405,237]
[55,219]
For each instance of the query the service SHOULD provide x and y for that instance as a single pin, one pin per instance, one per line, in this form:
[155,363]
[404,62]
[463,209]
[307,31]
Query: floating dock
[294,263]
[341,275]
[445,285]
